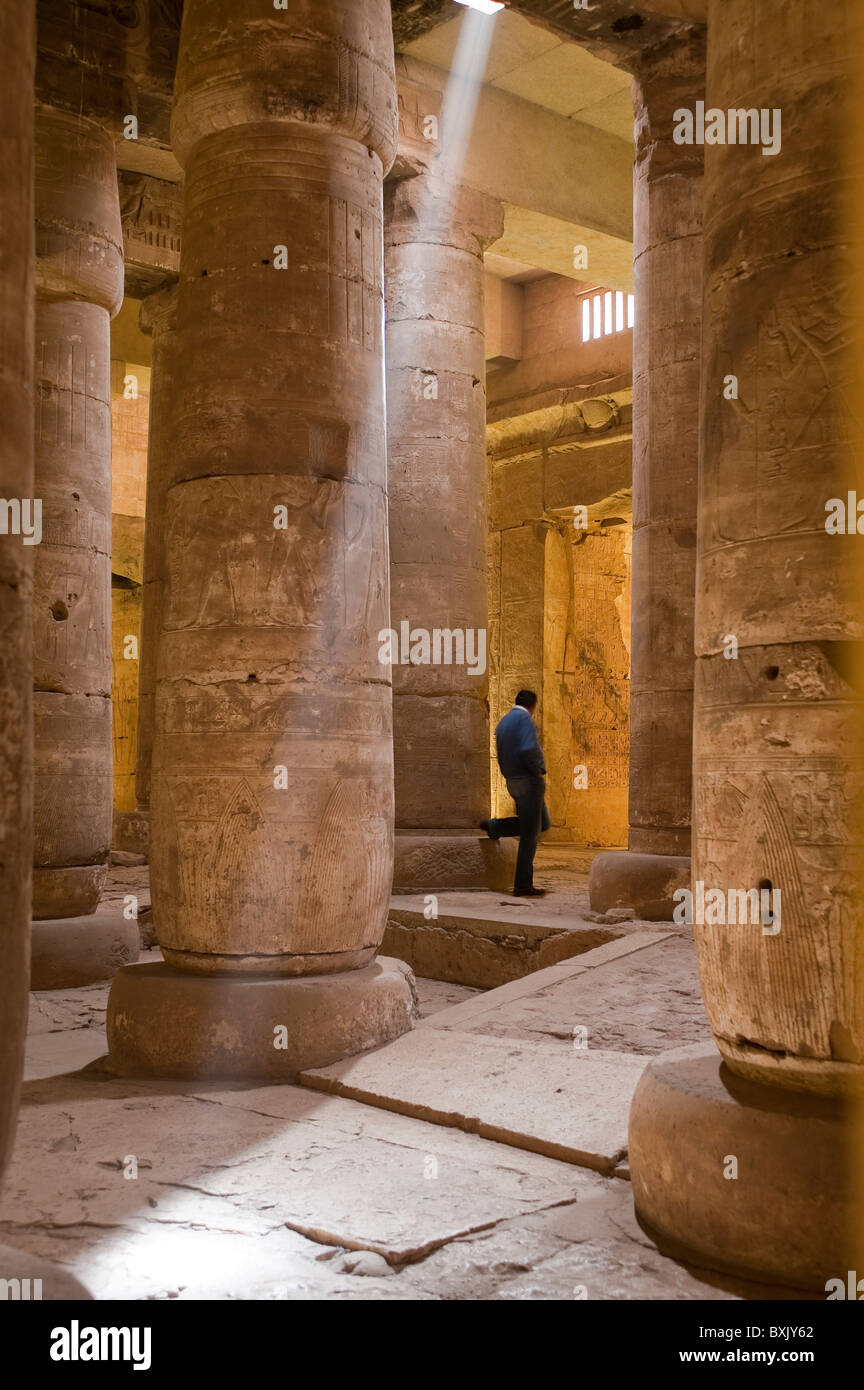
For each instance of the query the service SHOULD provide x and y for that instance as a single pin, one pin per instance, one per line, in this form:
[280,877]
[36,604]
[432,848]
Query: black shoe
[529,892]
[484,825]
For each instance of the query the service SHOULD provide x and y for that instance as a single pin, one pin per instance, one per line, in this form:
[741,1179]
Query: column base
[70,892]
[165,1022]
[645,882]
[430,861]
[790,1216]
[68,952]
[56,1284]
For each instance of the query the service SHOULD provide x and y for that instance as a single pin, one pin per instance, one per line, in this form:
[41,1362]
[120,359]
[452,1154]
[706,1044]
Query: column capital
[314,65]
[79,242]
[430,208]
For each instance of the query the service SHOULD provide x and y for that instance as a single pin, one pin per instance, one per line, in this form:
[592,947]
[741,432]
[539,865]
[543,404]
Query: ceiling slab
[530,238]
[542,68]
[615,30]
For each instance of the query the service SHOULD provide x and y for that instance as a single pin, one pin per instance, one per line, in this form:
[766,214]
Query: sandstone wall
[559,437]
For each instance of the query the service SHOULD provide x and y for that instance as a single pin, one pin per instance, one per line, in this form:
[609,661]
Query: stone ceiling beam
[525,155]
[548,243]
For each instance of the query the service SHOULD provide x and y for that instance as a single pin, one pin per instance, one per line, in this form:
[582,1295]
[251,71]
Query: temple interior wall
[130,408]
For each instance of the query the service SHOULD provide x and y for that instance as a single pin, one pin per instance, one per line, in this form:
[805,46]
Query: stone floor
[172,1190]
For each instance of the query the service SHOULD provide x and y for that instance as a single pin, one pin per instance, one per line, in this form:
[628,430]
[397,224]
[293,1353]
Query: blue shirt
[519,751]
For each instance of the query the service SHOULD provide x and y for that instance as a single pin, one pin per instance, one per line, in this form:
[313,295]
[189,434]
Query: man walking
[520,758]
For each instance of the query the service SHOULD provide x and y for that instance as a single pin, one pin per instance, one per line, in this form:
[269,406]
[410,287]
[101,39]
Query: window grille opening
[605,313]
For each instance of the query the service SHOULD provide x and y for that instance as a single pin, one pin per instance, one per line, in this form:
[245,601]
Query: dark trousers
[530,820]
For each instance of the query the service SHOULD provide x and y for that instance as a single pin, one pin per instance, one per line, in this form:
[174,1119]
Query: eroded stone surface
[436,995]
[483,945]
[234,1169]
[790,1209]
[167,1022]
[226,1178]
[158,317]
[77,951]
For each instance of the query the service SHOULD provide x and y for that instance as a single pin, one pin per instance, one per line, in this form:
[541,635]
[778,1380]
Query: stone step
[484,941]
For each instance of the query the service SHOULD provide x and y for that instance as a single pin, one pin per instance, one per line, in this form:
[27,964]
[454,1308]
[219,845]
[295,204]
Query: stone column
[272,773]
[158,317]
[778,718]
[17,283]
[152,214]
[666,346]
[18,43]
[436,404]
[79,285]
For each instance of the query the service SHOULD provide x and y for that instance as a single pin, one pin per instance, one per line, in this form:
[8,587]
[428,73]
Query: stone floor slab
[57,1010]
[642,1003]
[135,1189]
[468,1012]
[571,1105]
[586,1250]
[55,1054]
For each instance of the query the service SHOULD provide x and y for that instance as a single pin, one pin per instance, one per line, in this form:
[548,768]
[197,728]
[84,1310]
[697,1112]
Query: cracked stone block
[571,1104]
[215,1174]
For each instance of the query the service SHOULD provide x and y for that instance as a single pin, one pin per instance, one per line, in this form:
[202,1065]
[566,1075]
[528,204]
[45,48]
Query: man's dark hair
[526,698]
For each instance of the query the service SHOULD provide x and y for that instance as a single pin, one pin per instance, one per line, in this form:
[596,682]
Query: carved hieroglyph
[272,776]
[79,287]
[151,212]
[436,403]
[778,755]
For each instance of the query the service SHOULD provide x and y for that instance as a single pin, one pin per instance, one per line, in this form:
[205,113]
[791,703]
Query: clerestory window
[605,312]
